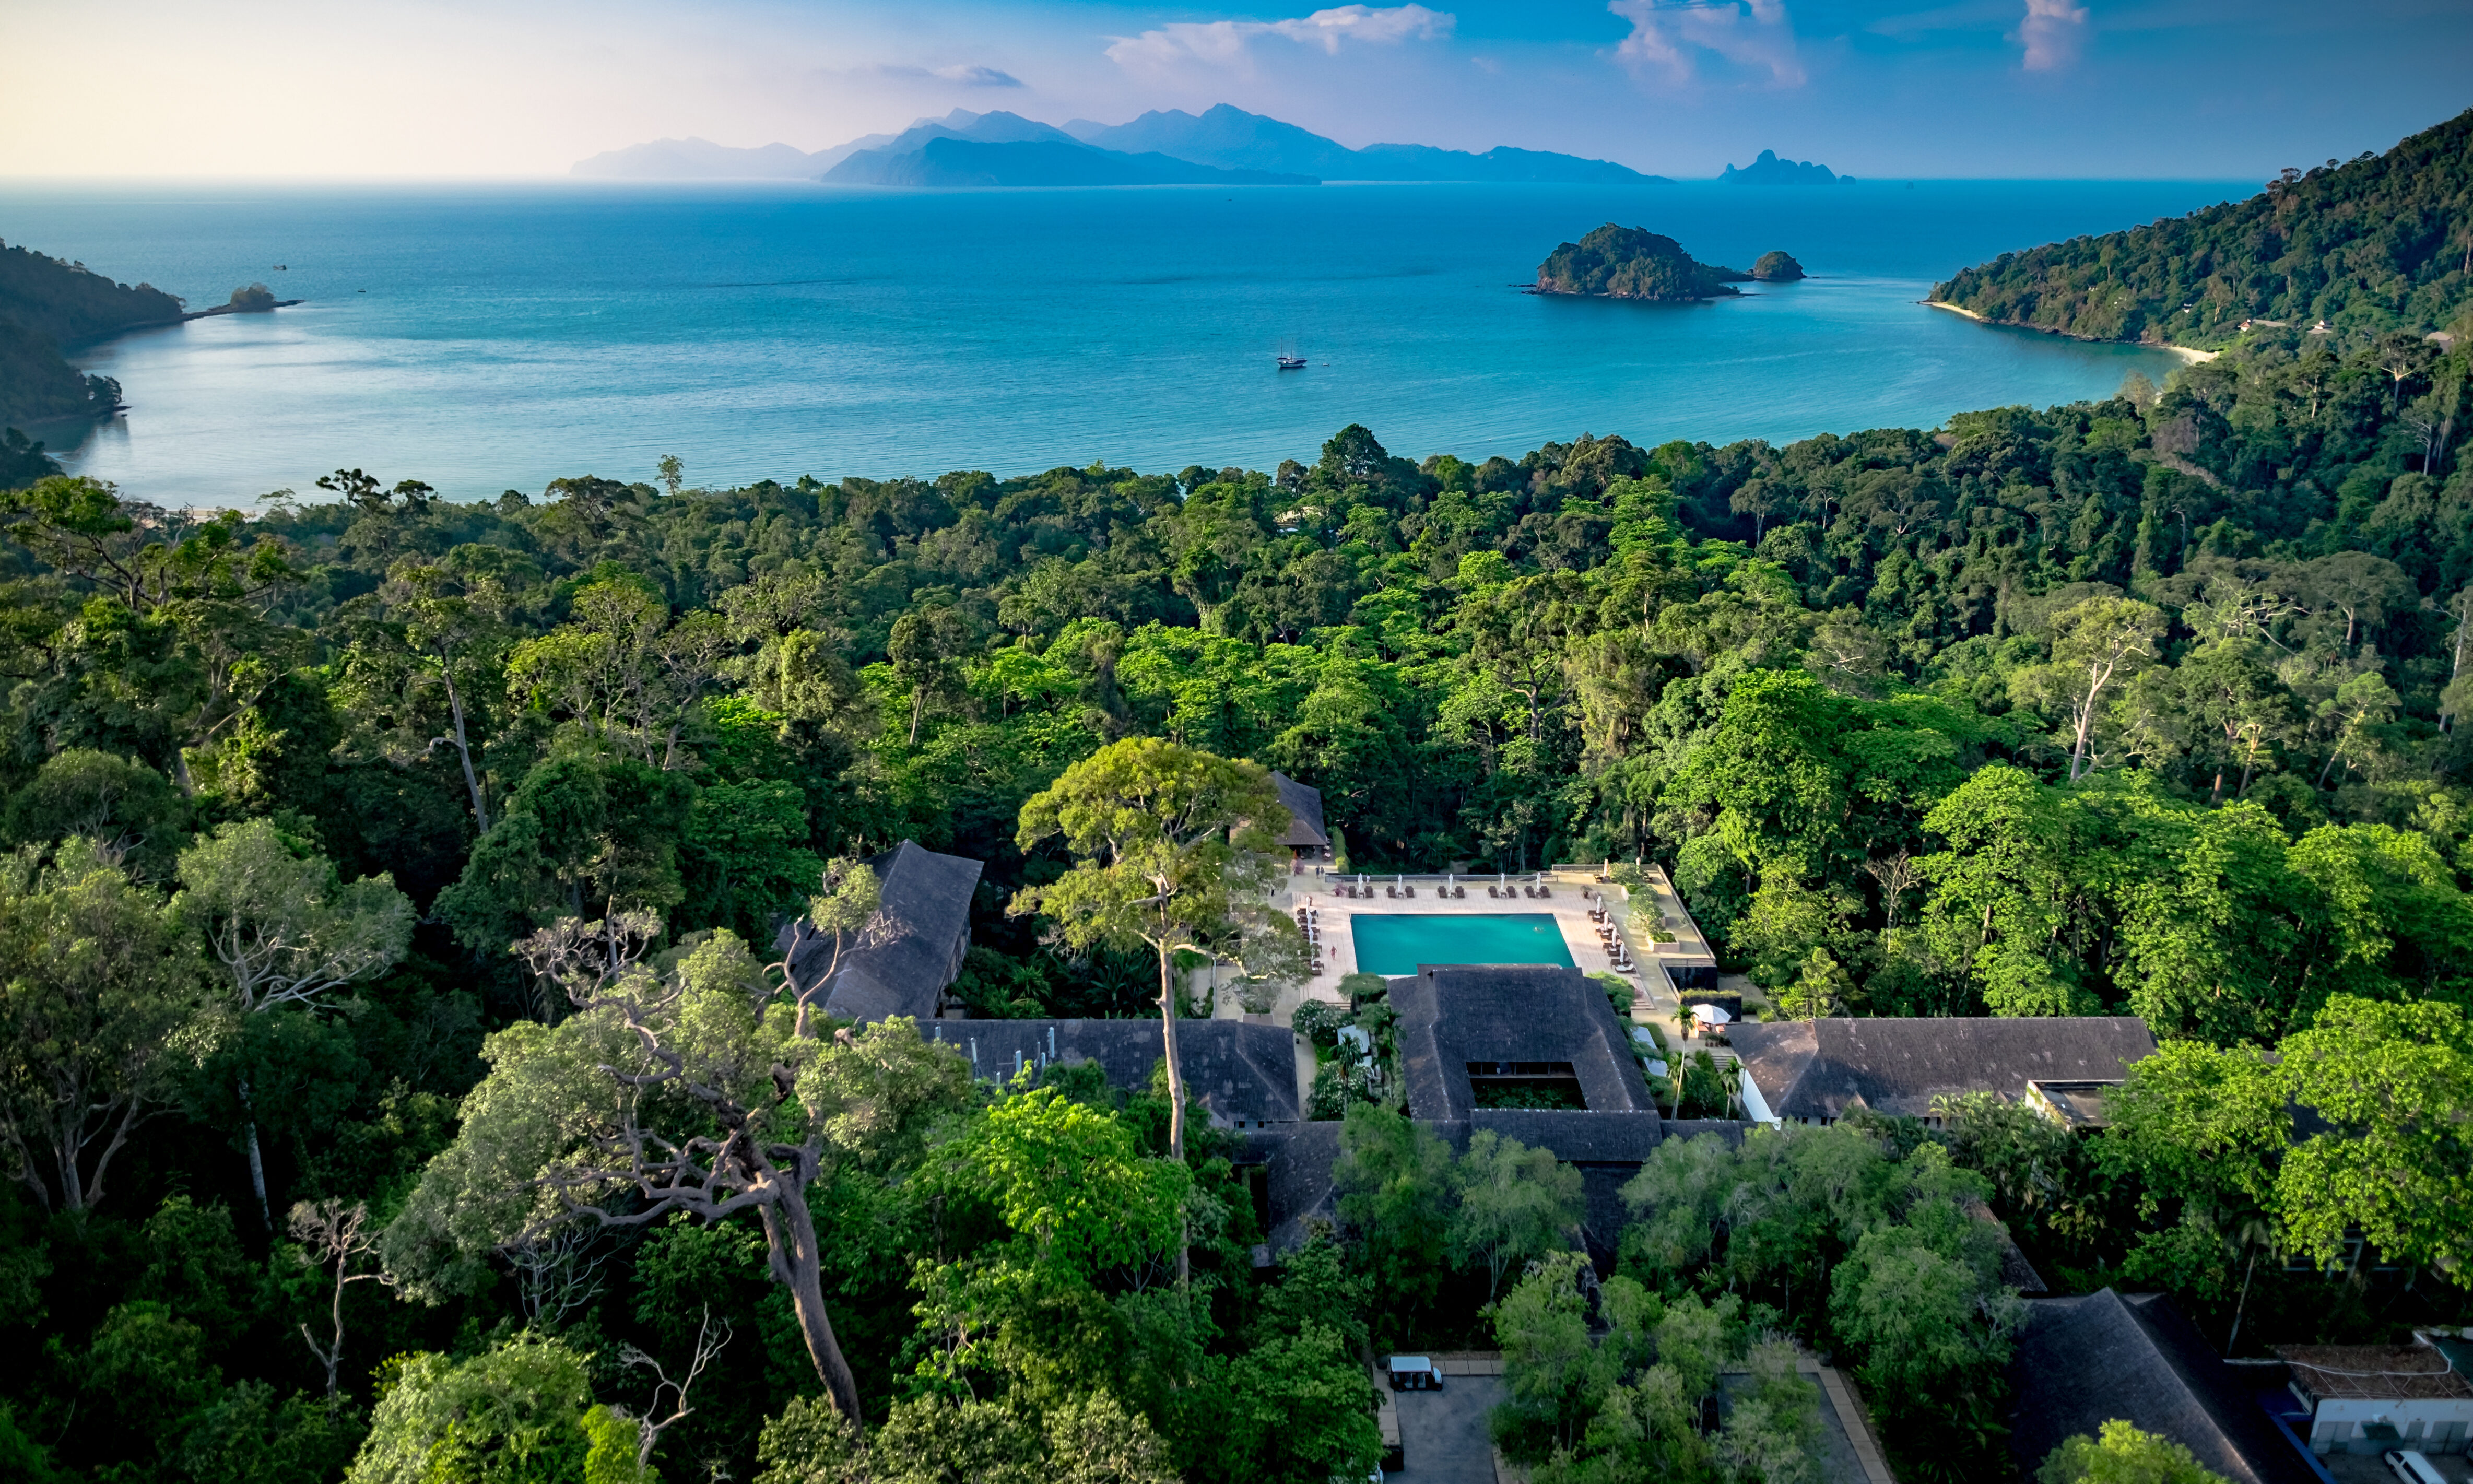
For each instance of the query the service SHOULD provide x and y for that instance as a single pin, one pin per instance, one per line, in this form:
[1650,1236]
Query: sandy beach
[2188,355]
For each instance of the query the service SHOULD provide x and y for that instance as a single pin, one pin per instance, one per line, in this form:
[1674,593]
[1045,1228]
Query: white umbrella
[1710,1015]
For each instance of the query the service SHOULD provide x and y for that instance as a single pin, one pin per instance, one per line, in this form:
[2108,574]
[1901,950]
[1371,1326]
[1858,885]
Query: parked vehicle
[2408,1466]
[1414,1373]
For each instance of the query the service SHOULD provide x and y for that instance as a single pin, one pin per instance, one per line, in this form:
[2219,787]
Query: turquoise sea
[488,337]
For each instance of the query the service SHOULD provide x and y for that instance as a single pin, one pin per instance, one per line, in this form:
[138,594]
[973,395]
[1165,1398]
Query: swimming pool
[1393,944]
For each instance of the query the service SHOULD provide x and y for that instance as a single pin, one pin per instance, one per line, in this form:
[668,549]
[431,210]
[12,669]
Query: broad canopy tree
[1174,852]
[103,1001]
[695,1087]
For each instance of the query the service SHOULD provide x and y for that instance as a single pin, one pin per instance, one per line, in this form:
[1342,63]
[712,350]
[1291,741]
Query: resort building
[2366,1399]
[1819,1072]
[1678,947]
[904,959]
[1308,841]
[1513,1036]
[1244,1075]
[2081,1361]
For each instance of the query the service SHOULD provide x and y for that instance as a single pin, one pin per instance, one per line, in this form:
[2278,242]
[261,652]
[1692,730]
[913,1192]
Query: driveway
[2370,1469]
[1442,1433]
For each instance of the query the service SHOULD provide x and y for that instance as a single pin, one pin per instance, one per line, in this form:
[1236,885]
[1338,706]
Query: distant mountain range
[1234,139]
[702,160]
[1224,146]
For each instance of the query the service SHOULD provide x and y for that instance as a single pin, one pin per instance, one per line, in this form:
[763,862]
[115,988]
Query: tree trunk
[1175,1098]
[256,1162]
[1175,1070]
[464,750]
[2247,1272]
[72,1179]
[790,1232]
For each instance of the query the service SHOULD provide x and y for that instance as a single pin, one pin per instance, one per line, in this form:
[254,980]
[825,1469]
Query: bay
[484,336]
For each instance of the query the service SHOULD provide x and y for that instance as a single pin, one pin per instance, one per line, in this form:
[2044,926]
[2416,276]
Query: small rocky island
[1769,169]
[1633,262]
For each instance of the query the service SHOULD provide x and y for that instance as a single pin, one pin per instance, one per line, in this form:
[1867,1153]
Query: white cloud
[1669,37]
[1229,43]
[2052,33]
[967,76]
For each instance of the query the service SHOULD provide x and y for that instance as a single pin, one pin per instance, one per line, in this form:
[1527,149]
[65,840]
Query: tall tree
[695,1091]
[287,931]
[2097,645]
[2395,1162]
[1175,854]
[102,1000]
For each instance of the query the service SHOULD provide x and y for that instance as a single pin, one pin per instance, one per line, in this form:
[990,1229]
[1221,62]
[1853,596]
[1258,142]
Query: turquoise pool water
[1393,944]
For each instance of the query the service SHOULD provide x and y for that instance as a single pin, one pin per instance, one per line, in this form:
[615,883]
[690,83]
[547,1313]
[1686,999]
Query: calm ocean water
[484,338]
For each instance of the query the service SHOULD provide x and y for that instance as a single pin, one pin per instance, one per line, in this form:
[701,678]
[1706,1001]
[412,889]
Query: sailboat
[1289,360]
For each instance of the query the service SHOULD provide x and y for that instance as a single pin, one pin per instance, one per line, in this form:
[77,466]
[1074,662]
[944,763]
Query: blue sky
[512,87]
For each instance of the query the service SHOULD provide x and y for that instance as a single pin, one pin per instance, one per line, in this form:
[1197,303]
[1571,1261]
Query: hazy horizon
[453,89]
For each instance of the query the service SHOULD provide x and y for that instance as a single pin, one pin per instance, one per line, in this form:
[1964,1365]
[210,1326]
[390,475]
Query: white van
[2412,1468]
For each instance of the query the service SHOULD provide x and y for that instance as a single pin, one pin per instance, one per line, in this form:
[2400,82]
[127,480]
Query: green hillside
[2376,243]
[46,302]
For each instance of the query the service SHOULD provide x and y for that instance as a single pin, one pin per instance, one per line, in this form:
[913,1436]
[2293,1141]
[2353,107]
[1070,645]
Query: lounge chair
[1407,891]
[1391,892]
[1544,891]
[1459,893]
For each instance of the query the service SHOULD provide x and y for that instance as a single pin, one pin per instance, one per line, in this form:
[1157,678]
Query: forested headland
[2376,245]
[46,303]
[2146,704]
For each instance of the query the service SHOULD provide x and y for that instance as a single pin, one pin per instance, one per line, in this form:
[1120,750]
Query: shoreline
[2188,356]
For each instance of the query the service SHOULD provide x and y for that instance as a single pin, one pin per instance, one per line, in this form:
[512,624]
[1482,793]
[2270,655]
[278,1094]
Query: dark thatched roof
[1246,1075]
[1824,1068]
[923,929]
[1304,812]
[2081,1361]
[1300,1156]
[1452,1016]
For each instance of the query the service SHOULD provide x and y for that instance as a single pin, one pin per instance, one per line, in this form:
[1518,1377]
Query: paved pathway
[1442,1433]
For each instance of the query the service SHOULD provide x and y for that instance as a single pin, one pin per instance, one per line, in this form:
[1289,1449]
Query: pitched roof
[1821,1068]
[1300,1180]
[2376,1373]
[1242,1073]
[1607,1147]
[1450,1016]
[2082,1361]
[1304,811]
[921,929]
[1577,1137]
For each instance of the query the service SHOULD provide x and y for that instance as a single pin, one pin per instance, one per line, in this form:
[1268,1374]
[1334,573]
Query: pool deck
[1568,908]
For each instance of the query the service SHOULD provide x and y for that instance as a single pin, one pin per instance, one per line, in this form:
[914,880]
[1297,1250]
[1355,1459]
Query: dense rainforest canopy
[2375,245]
[2144,704]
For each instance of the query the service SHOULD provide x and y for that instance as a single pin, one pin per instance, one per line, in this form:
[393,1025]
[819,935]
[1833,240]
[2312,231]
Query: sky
[1973,88]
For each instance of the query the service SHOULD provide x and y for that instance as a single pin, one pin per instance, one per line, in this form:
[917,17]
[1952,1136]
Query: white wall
[2431,1426]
